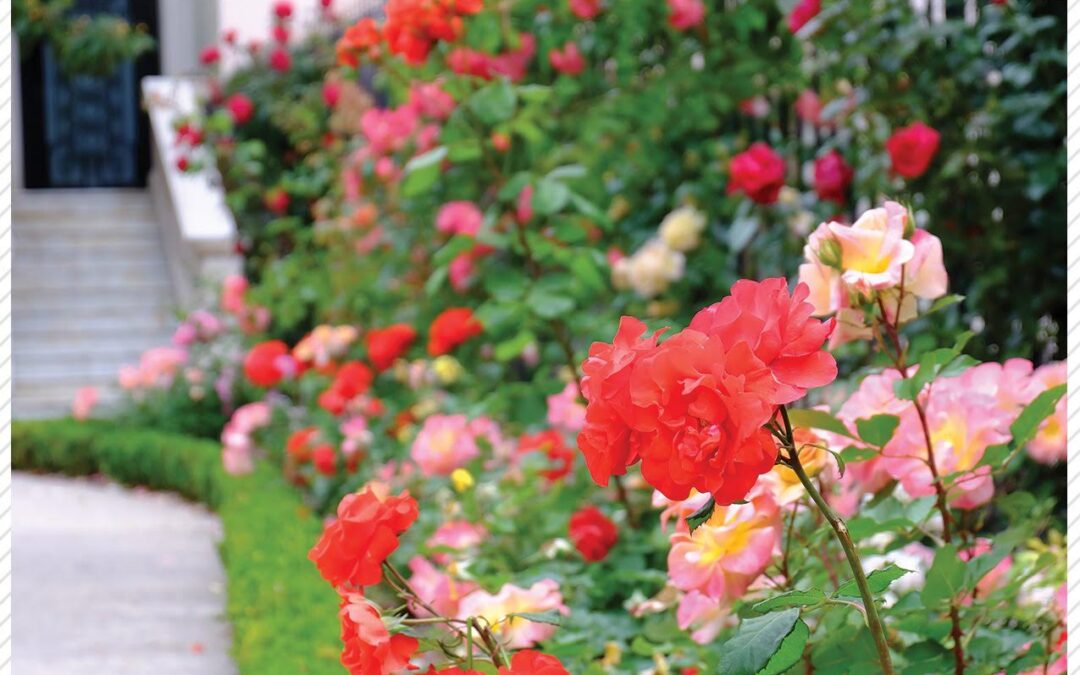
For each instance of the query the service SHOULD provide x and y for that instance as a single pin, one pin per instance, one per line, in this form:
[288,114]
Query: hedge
[280,610]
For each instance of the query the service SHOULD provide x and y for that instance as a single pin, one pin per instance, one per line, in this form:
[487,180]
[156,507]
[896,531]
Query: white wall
[186,26]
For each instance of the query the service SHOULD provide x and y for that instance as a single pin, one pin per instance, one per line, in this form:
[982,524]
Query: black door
[82,131]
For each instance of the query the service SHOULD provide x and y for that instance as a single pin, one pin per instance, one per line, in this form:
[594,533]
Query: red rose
[832,176]
[280,33]
[352,380]
[758,172]
[240,107]
[267,363]
[182,163]
[550,443]
[584,9]
[277,200]
[229,36]
[801,14]
[529,662]
[280,60]
[352,549]
[452,328]
[567,60]
[325,459]
[684,14]
[779,330]
[592,533]
[299,444]
[283,10]
[210,55]
[912,148]
[386,345]
[331,92]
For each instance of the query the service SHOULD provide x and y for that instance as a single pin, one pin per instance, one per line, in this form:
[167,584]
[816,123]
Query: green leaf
[1027,423]
[927,656]
[756,641]
[422,171]
[877,430]
[945,579]
[878,581]
[697,518]
[943,302]
[548,305]
[818,419]
[944,362]
[889,515]
[790,651]
[550,196]
[508,349]
[494,103]
[805,598]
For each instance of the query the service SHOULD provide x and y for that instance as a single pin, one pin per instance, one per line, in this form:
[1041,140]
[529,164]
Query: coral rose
[369,647]
[352,549]
[530,662]
[268,363]
[386,345]
[451,328]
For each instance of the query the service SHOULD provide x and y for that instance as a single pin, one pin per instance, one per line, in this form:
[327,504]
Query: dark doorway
[82,131]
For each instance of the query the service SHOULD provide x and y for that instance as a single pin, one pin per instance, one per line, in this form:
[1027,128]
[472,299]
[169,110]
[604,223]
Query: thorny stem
[899,361]
[877,630]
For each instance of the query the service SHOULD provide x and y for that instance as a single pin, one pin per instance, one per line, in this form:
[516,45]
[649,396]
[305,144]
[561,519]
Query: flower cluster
[661,261]
[692,409]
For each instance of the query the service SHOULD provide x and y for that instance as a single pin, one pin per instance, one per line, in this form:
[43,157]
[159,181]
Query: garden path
[115,580]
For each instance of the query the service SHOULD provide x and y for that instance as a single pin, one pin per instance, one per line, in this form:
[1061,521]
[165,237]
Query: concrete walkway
[113,580]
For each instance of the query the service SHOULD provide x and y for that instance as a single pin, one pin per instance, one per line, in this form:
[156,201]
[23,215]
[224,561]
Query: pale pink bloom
[808,107]
[429,100]
[386,169]
[827,293]
[427,138]
[237,460]
[445,443]
[436,588]
[85,400]
[685,13]
[1050,443]
[705,616]
[516,632]
[159,366]
[129,377]
[461,217]
[873,251]
[184,335]
[962,425]
[324,344]
[925,275]
[722,557]
[357,436]
[565,411]
[678,510]
[1010,384]
[457,535]
[351,183]
[237,454]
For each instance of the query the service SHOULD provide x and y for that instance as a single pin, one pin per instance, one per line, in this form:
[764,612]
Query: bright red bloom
[280,60]
[592,533]
[801,14]
[324,457]
[779,330]
[386,345]
[299,444]
[352,549]
[240,107]
[363,37]
[912,148]
[684,14]
[452,328]
[758,172]
[551,443]
[182,163]
[265,364]
[280,33]
[210,55]
[584,9]
[567,60]
[529,662]
[832,176]
[352,379]
[413,26]
[369,648]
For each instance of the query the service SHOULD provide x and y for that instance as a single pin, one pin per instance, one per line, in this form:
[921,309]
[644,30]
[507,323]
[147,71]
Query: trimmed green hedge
[283,615]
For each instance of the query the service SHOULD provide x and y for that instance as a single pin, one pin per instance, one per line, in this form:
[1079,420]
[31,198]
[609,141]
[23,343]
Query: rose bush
[551,232]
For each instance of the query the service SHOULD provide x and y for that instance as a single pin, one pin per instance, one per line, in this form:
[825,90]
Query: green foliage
[758,639]
[272,587]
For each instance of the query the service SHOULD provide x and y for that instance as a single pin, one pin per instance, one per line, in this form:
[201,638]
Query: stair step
[62,342]
[113,289]
[91,250]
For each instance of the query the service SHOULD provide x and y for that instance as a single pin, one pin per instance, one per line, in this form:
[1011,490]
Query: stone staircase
[91,292]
